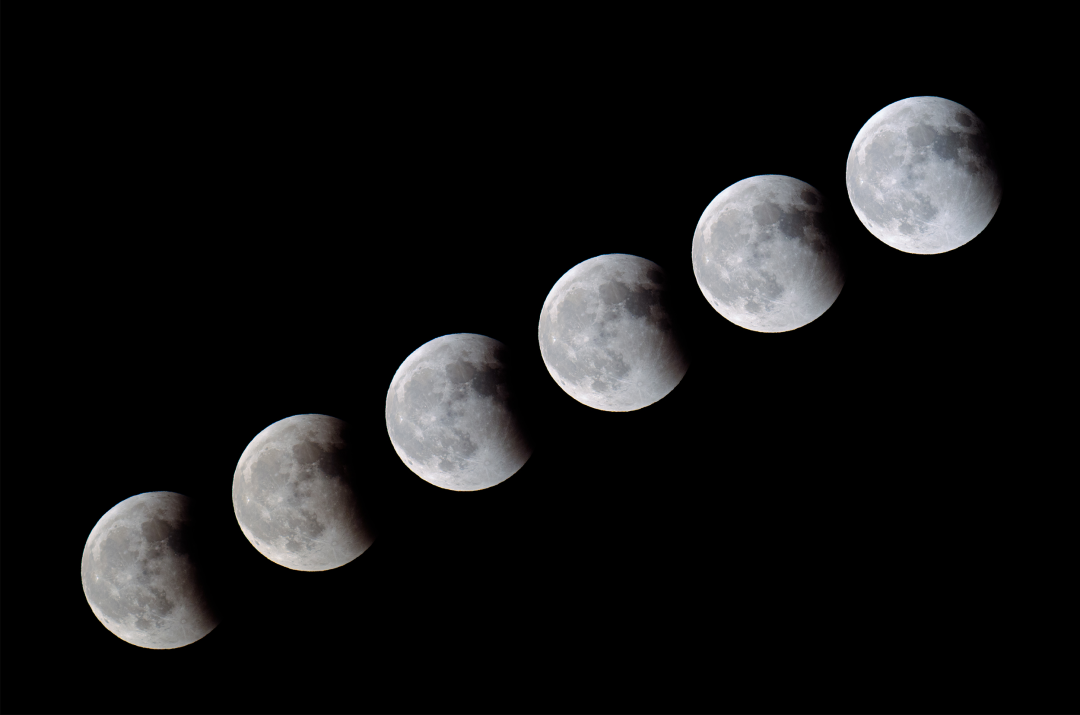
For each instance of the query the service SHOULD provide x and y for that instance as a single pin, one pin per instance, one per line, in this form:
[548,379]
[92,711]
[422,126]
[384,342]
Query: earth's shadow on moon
[524,399]
[210,546]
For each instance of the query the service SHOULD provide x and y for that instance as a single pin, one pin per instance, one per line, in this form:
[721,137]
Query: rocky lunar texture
[922,175]
[298,494]
[764,256]
[144,574]
[608,334]
[453,416]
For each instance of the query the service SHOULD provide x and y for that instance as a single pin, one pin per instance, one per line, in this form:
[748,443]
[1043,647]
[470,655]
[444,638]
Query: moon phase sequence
[608,336]
[452,413]
[922,177]
[763,254]
[297,494]
[143,573]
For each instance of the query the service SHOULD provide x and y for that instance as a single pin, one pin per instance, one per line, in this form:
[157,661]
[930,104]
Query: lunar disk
[764,256]
[922,177]
[608,336]
[300,498]
[453,416]
[144,572]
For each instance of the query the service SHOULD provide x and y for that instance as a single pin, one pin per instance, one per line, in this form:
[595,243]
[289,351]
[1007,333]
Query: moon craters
[922,175]
[299,495]
[764,255]
[608,334]
[144,572]
[454,416]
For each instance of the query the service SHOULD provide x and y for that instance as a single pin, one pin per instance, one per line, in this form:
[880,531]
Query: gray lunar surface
[141,575]
[921,175]
[452,413]
[608,336]
[298,497]
[763,254]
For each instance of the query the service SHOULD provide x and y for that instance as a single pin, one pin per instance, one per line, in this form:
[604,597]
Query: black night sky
[235,220]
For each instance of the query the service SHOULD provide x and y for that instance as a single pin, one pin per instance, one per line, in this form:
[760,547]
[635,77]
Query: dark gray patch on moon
[922,175]
[453,413]
[608,334]
[145,575]
[299,496]
[764,256]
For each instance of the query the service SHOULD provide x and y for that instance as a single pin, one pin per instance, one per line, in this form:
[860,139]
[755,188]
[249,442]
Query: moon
[299,497]
[144,572]
[764,256]
[453,416]
[922,177]
[608,335]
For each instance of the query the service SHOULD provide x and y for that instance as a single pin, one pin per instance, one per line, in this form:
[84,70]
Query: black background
[231,220]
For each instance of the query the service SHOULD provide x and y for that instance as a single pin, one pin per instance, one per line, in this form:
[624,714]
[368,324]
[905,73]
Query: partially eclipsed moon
[299,496]
[144,573]
[452,413]
[764,256]
[922,177]
[608,336]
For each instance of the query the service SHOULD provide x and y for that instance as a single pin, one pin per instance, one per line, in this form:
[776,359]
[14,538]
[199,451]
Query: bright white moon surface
[298,494]
[608,336]
[453,416]
[921,175]
[142,573]
[763,254]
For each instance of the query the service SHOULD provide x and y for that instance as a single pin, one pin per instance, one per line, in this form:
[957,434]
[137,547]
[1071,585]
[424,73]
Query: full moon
[299,496]
[608,336]
[921,175]
[453,416]
[144,575]
[764,256]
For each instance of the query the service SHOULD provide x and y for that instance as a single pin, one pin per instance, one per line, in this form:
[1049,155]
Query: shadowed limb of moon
[300,497]
[609,336]
[922,175]
[453,416]
[764,255]
[145,574]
